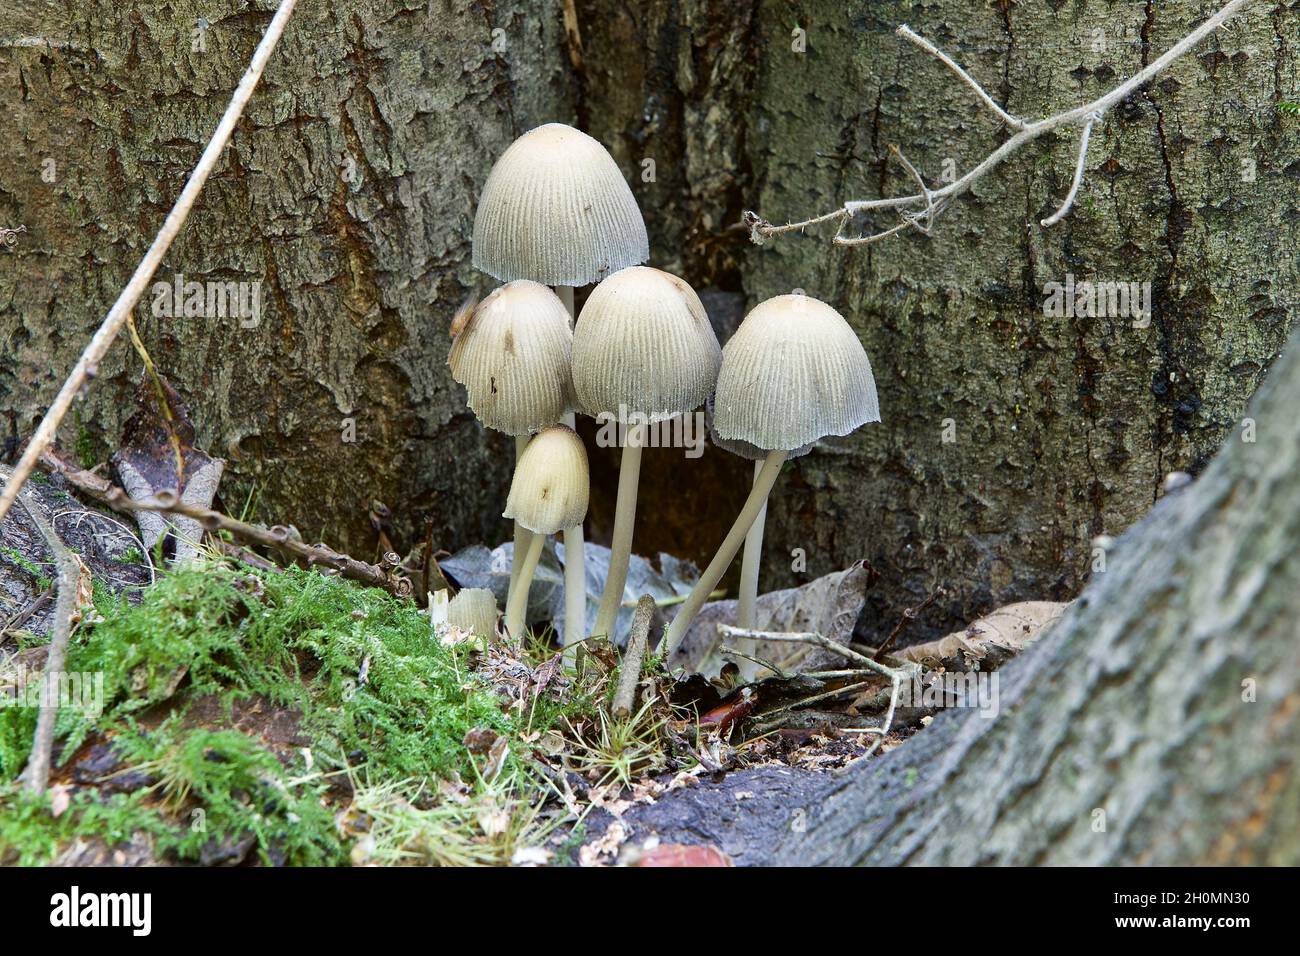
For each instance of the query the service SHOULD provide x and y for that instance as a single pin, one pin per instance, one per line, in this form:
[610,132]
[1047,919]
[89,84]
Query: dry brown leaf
[158,454]
[989,642]
[681,854]
[830,605]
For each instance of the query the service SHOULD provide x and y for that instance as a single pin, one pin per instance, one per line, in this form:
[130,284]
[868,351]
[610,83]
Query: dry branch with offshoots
[920,209]
[388,576]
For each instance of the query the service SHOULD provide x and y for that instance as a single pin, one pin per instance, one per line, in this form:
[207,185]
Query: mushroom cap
[550,488]
[743,449]
[793,373]
[513,358]
[644,345]
[556,209]
[474,610]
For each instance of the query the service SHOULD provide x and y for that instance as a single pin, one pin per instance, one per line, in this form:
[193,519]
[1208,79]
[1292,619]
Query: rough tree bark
[348,191]
[350,188]
[1169,698]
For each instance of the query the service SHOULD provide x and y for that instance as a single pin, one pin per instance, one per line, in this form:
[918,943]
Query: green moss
[16,557]
[31,835]
[372,689]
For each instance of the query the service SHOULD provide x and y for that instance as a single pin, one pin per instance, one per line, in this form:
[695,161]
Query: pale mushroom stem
[620,545]
[575,548]
[517,606]
[754,504]
[522,534]
[750,562]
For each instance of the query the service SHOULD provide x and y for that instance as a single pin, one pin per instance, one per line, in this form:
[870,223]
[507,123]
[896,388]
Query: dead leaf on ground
[158,454]
[830,605]
[990,641]
[682,854]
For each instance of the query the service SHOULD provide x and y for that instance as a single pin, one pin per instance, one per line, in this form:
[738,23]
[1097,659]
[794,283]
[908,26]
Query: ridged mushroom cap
[743,449]
[793,373]
[474,610]
[556,209]
[550,488]
[644,344]
[513,358]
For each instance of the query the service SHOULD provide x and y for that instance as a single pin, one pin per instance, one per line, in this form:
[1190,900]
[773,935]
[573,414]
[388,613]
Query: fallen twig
[37,775]
[909,615]
[279,538]
[108,330]
[894,674]
[809,637]
[630,674]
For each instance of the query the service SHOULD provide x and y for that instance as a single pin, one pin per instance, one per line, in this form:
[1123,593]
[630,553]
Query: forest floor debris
[255,716]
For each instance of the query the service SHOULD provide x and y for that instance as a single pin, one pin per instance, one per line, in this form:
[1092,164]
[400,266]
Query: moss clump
[368,684]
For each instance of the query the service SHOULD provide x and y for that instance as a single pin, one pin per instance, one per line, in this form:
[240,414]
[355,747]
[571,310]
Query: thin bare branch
[389,575]
[907,33]
[1057,216]
[117,315]
[805,637]
[36,777]
[1026,132]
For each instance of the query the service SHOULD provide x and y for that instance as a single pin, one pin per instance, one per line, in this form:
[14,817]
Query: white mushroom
[644,352]
[793,374]
[549,494]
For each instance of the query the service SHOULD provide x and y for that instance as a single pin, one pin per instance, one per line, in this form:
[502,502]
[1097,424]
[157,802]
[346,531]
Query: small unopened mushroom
[512,354]
[549,494]
[474,610]
[556,209]
[644,352]
[793,374]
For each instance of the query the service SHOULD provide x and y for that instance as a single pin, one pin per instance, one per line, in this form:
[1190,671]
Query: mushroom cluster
[556,211]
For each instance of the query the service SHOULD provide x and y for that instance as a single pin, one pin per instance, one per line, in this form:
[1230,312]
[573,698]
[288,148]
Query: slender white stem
[1057,216]
[620,545]
[575,546]
[750,562]
[575,586]
[117,315]
[522,534]
[756,501]
[565,292]
[1026,132]
[517,606]
[575,595]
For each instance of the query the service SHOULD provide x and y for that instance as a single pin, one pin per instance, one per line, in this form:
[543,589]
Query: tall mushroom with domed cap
[644,352]
[549,493]
[556,209]
[793,374]
[512,356]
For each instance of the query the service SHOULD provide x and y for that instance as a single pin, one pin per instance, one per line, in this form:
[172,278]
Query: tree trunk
[349,191]
[1169,699]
